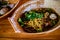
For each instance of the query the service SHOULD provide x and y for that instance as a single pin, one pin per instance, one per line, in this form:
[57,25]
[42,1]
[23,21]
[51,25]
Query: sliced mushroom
[53,16]
[3,11]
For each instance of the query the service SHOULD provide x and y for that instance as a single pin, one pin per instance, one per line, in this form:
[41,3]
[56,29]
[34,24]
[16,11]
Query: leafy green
[4,3]
[39,15]
[32,15]
[53,22]
[48,9]
[20,21]
[28,16]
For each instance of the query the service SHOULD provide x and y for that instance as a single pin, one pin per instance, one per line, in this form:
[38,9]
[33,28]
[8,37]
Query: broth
[38,20]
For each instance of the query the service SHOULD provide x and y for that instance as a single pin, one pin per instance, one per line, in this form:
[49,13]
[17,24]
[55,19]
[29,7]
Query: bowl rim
[10,10]
[17,31]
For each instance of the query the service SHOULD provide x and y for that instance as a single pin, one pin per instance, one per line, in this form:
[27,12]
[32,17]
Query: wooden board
[7,32]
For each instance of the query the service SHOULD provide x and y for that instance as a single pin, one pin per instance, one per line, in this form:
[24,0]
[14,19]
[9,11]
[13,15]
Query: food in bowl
[5,6]
[38,20]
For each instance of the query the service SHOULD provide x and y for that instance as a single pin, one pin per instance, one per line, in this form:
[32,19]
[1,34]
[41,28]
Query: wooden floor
[7,32]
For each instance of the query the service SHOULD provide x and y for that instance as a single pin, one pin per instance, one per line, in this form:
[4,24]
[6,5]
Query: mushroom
[53,16]
[3,11]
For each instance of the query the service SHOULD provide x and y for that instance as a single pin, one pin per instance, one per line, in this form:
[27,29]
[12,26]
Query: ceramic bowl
[26,7]
[16,3]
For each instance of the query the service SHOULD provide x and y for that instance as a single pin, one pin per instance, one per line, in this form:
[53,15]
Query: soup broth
[38,20]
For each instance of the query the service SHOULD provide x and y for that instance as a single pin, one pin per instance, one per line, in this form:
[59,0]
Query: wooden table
[7,32]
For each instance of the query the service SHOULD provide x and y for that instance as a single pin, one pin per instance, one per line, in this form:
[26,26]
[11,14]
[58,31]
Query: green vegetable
[40,15]
[48,9]
[4,3]
[32,11]
[53,22]
[28,16]
[20,21]
[32,15]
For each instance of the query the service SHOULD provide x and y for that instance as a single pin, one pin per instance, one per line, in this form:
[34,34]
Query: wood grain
[7,32]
